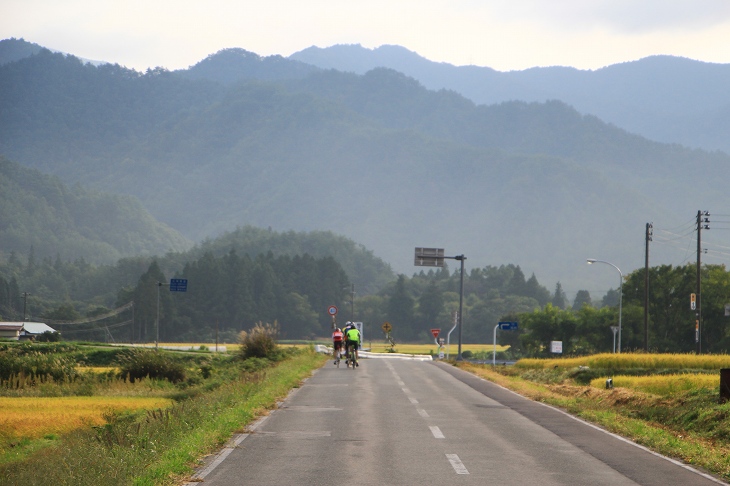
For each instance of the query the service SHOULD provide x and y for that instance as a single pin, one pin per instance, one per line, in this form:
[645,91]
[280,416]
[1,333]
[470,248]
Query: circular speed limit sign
[332,310]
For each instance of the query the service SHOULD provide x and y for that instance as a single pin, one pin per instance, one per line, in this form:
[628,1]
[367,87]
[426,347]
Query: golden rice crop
[663,385]
[382,347]
[32,417]
[633,361]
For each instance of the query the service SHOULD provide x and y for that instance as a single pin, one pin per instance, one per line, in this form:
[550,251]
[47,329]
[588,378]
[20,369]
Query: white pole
[494,341]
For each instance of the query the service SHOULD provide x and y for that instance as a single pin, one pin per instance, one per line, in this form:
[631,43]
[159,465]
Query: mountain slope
[39,211]
[664,98]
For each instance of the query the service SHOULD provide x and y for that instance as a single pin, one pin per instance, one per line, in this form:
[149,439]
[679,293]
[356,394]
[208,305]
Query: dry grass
[34,417]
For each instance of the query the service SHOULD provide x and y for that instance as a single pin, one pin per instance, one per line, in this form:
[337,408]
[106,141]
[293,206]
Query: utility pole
[703,222]
[649,232]
[352,304]
[25,304]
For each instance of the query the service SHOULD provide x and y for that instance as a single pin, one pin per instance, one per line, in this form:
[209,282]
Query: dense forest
[232,291]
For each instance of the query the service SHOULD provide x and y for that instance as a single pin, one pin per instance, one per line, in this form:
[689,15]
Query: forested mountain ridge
[664,98]
[40,212]
[377,158]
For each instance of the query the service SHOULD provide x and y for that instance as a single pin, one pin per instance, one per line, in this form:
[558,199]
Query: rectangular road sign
[508,326]
[178,285]
[429,257]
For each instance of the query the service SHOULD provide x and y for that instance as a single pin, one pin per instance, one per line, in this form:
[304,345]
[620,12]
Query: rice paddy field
[663,385]
[624,361]
[384,347]
[36,417]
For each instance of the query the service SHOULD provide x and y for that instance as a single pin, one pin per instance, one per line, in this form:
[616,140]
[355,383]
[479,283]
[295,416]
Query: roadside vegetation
[668,403]
[136,416]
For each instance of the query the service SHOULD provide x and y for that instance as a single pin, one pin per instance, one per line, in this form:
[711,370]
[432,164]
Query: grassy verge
[690,426]
[161,446]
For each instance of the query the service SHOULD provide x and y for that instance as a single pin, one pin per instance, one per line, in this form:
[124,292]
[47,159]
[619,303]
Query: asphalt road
[405,422]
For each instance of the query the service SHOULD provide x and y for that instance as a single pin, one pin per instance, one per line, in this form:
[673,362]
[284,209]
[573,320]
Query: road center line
[457,464]
[422,413]
[436,432]
[413,400]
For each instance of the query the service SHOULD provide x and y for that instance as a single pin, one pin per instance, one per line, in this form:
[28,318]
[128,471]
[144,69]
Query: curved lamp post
[620,294]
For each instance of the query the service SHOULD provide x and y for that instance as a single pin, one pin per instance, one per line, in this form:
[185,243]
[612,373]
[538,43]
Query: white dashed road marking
[457,464]
[436,432]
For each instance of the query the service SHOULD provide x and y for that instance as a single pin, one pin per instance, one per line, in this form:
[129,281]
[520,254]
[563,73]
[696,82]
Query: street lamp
[620,294]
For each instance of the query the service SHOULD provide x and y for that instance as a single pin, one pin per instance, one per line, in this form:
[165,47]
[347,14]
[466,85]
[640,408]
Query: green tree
[430,305]
[583,297]
[400,310]
[559,300]
[549,324]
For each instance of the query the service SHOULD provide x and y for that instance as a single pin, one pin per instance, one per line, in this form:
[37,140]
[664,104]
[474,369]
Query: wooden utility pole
[648,236]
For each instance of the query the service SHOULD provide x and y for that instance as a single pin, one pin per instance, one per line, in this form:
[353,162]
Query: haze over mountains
[240,139]
[664,98]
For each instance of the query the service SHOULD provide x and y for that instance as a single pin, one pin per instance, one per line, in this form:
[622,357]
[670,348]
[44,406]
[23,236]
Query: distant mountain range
[241,139]
[663,98]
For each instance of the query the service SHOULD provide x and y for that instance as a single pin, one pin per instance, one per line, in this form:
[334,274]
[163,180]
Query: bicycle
[352,352]
[337,357]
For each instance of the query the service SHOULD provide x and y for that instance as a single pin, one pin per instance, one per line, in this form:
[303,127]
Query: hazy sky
[502,34]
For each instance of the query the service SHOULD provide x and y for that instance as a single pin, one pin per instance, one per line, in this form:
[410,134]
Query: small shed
[10,330]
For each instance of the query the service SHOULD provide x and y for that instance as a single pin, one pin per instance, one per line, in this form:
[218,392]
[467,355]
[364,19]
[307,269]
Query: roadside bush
[259,342]
[16,361]
[136,364]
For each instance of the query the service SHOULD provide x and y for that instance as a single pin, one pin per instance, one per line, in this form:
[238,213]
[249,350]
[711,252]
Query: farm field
[646,361]
[663,385]
[36,417]
[383,347]
[106,422]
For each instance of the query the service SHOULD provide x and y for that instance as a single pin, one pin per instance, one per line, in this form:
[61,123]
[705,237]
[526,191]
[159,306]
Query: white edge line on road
[436,432]
[219,458]
[623,439]
[237,439]
[457,464]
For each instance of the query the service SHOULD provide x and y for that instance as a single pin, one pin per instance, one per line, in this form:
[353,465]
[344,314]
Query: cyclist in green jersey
[353,339]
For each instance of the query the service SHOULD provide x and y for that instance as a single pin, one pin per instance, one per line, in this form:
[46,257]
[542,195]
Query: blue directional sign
[178,285]
[508,326]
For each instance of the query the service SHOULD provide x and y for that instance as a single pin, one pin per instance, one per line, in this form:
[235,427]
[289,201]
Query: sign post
[332,310]
[505,326]
[434,257]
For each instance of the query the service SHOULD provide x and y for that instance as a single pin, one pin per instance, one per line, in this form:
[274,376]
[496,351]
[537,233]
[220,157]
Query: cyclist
[338,338]
[348,325]
[353,339]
